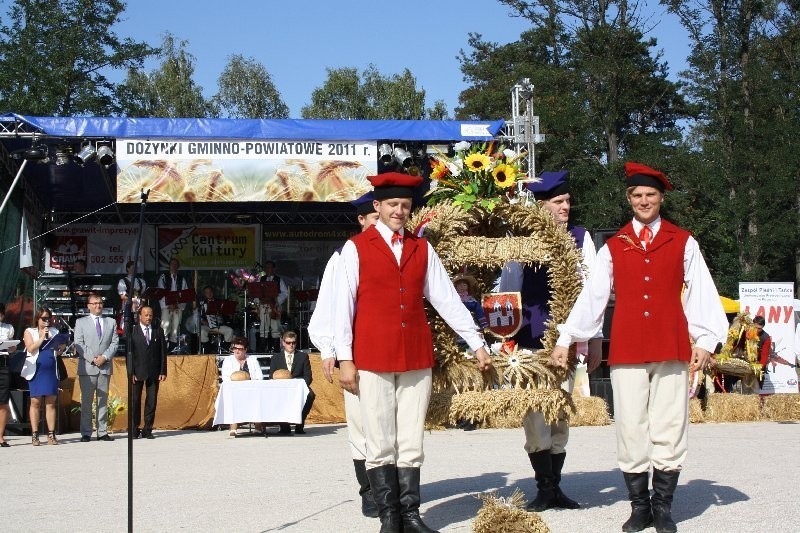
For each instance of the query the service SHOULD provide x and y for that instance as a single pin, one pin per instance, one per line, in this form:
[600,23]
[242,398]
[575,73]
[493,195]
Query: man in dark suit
[149,352]
[300,367]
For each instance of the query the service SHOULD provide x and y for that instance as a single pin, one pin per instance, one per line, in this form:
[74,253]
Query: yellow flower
[504,176]
[477,162]
[120,408]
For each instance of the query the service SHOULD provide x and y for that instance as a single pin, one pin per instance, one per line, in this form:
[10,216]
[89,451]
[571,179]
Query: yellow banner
[209,247]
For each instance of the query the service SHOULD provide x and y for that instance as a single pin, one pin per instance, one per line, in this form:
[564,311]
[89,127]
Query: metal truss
[301,215]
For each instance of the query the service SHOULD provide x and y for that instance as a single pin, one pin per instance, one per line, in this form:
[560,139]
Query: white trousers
[171,323]
[539,435]
[393,409]
[355,428]
[651,413]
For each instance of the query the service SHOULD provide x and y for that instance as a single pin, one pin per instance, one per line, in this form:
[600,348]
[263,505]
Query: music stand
[180,297]
[221,307]
[153,293]
[263,290]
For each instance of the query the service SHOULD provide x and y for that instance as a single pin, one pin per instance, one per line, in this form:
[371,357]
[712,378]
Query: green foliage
[169,91]
[55,54]
[246,91]
[348,95]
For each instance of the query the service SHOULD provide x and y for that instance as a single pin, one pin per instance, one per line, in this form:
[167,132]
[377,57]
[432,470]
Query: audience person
[149,353]
[297,363]
[96,343]
[6,334]
[43,381]
[240,361]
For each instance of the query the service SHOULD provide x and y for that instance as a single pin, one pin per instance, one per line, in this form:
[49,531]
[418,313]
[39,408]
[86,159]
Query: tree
[346,94]
[744,76]
[246,91]
[169,91]
[55,54]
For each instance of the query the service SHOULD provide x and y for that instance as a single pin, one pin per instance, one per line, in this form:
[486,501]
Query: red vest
[649,323]
[390,331]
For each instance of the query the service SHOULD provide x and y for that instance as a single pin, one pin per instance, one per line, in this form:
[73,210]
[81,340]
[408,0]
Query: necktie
[397,238]
[646,235]
[147,334]
[289,361]
[99,328]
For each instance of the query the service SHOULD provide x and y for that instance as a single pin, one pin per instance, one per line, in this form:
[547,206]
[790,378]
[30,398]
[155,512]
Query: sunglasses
[290,342]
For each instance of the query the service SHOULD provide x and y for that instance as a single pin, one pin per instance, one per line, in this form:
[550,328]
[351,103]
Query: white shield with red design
[503,312]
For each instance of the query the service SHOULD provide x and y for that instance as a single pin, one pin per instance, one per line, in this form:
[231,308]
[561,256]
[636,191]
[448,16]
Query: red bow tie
[397,238]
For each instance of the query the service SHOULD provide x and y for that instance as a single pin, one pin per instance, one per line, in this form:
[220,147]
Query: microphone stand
[128,320]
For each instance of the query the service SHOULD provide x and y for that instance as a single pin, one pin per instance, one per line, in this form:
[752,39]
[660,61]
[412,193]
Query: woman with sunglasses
[44,383]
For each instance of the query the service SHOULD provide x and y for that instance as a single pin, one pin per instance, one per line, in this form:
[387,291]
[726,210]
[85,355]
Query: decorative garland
[482,242]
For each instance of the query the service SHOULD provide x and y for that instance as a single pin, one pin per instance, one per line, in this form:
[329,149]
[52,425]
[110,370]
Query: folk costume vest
[390,331]
[535,293]
[649,323]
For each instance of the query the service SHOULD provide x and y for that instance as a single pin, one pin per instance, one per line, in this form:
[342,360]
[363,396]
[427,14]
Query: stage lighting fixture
[36,153]
[402,156]
[105,155]
[385,153]
[86,154]
[63,155]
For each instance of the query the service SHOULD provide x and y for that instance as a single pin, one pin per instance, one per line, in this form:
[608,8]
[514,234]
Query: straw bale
[696,415]
[506,515]
[733,408]
[507,405]
[438,415]
[590,411]
[781,407]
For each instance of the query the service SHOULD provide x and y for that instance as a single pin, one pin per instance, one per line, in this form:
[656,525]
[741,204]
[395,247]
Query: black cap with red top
[638,174]
[394,185]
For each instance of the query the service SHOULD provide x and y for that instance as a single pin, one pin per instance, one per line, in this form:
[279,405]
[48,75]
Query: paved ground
[738,477]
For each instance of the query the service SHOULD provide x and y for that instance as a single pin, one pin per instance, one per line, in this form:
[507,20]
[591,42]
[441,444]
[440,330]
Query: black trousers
[309,403]
[150,402]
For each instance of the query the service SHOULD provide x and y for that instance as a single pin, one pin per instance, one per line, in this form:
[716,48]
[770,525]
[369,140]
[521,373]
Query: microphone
[47,334]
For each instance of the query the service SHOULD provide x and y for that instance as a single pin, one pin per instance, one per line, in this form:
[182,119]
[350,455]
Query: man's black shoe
[137,434]
[85,438]
[286,429]
[106,437]
[298,429]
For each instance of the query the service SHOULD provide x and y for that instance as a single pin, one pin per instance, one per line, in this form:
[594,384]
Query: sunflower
[120,408]
[504,176]
[477,162]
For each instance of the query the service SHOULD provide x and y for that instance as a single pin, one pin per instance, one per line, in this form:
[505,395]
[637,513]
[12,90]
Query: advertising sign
[105,248]
[775,302]
[252,170]
[209,247]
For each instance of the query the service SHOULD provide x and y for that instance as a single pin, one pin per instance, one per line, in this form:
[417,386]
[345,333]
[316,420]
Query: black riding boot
[639,494]
[386,491]
[408,478]
[545,482]
[664,484]
[561,499]
[368,507]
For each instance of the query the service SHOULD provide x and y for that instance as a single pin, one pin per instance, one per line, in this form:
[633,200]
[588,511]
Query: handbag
[61,368]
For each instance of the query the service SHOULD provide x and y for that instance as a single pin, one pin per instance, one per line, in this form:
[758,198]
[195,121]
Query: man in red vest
[385,347]
[647,263]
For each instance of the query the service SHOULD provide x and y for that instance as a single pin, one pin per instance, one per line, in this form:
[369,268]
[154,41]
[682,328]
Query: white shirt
[511,278]
[139,285]
[230,365]
[6,333]
[320,327]
[701,304]
[438,290]
[144,331]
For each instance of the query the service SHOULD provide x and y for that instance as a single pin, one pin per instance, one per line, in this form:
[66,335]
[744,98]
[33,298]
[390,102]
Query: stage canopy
[64,187]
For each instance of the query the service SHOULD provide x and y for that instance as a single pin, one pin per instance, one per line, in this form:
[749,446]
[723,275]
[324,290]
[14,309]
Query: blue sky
[296,41]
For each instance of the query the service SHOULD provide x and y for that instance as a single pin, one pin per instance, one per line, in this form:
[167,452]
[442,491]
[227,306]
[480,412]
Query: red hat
[639,174]
[394,185]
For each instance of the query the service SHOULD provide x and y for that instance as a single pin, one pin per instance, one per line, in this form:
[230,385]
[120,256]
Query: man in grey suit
[96,343]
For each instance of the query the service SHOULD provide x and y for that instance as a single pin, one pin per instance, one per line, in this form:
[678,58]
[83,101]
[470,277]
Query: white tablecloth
[278,400]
